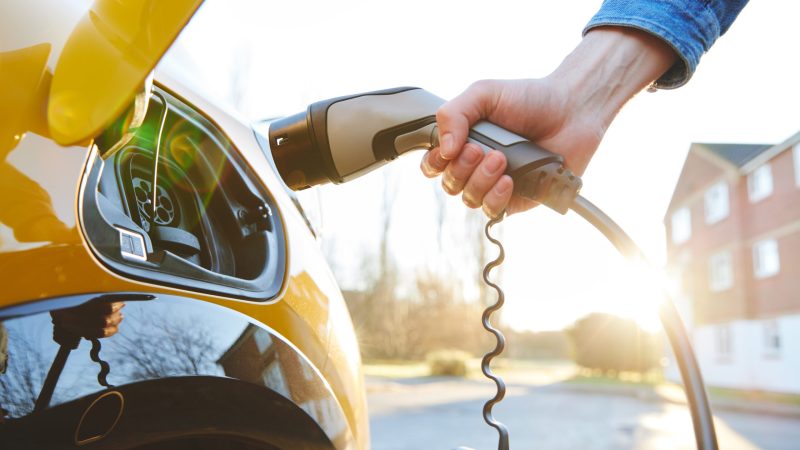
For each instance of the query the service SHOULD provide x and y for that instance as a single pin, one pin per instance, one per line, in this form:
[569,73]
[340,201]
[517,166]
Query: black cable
[486,362]
[702,419]
[49,385]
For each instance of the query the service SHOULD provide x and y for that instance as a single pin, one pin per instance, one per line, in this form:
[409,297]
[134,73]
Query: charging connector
[551,184]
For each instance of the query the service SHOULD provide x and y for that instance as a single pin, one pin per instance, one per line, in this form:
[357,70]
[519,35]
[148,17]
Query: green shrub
[611,344]
[448,362]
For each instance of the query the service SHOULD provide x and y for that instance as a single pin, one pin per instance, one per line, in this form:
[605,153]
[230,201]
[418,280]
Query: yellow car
[161,287]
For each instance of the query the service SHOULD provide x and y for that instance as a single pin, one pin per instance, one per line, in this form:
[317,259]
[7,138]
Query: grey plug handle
[375,128]
[343,138]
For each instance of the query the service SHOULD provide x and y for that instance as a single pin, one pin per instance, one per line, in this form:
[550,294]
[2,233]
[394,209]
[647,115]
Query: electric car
[161,288]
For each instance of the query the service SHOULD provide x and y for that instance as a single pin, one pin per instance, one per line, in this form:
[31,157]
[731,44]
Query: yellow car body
[79,109]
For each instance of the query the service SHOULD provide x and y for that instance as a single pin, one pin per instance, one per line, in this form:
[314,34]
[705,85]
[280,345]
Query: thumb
[455,117]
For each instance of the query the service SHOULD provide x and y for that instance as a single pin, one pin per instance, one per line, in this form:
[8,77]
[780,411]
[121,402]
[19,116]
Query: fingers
[432,163]
[519,204]
[464,167]
[499,197]
[455,117]
[480,178]
[484,178]
[110,321]
[457,174]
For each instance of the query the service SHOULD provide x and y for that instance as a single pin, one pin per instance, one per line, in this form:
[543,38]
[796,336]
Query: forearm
[690,27]
[609,66]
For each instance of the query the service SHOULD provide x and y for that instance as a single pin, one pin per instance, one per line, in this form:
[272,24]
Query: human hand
[537,109]
[92,320]
[566,112]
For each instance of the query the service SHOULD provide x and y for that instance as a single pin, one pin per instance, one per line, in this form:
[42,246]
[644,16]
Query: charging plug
[550,184]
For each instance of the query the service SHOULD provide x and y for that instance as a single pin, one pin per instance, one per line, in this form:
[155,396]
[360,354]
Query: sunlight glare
[640,297]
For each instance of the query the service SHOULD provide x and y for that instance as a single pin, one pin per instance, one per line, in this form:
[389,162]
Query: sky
[274,58]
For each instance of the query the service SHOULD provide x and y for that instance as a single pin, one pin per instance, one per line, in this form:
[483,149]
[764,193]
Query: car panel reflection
[171,352]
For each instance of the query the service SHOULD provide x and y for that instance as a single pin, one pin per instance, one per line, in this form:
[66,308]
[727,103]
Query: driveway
[443,413]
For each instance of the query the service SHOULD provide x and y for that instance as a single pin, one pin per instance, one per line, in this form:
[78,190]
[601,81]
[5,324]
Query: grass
[668,389]
[546,371]
[652,379]
[757,396]
[538,371]
[396,369]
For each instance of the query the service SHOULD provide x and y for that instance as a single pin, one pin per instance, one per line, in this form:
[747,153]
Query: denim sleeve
[690,27]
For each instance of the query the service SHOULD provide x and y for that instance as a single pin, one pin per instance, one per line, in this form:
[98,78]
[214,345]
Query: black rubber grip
[176,240]
[538,174]
[525,156]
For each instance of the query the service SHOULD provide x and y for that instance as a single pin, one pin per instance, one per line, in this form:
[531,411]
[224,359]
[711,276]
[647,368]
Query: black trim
[296,156]
[101,214]
[383,143]
[318,129]
[53,303]
[522,157]
[263,143]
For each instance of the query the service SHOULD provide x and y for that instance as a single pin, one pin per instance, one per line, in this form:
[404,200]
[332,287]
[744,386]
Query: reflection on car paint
[26,209]
[160,339]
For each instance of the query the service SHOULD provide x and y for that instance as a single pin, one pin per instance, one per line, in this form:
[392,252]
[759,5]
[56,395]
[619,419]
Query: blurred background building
[733,247]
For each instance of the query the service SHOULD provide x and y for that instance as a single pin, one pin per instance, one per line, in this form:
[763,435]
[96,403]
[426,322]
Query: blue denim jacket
[690,27]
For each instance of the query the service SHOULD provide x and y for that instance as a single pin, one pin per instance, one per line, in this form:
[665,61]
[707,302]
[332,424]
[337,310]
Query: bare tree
[25,374]
[183,348]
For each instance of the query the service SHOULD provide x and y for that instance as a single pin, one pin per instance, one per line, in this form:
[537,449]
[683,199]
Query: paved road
[426,413]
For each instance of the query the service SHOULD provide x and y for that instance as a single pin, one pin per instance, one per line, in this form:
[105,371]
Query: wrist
[610,66]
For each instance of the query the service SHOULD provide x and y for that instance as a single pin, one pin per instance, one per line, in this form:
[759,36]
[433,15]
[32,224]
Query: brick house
[733,250]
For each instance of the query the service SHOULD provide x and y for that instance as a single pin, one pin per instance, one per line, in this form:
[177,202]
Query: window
[681,225]
[263,340]
[720,271]
[273,378]
[716,202]
[772,338]
[766,260]
[796,154]
[759,183]
[723,338]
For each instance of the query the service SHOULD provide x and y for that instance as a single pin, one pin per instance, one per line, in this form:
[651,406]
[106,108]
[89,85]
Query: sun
[640,295]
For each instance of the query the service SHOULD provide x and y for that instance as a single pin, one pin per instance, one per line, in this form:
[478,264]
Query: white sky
[557,269]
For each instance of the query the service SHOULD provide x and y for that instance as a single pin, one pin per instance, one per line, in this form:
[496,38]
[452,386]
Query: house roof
[728,157]
[736,154]
[740,158]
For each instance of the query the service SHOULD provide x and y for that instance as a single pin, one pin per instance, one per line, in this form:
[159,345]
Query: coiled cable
[702,419]
[501,340]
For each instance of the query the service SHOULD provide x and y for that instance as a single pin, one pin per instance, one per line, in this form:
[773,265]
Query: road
[443,413]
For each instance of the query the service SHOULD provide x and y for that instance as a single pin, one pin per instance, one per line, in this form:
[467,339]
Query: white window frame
[772,338]
[717,202]
[681,225]
[720,271]
[263,340]
[723,341]
[796,157]
[273,378]
[766,258]
[759,183]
